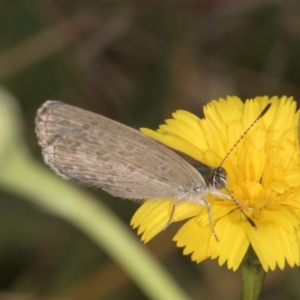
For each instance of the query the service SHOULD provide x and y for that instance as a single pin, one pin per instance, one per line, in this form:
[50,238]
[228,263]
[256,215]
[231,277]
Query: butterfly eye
[219,178]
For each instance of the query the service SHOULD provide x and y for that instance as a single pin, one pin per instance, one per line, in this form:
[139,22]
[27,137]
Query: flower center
[253,189]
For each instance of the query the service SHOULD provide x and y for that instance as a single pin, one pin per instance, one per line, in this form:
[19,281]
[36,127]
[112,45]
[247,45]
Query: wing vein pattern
[96,151]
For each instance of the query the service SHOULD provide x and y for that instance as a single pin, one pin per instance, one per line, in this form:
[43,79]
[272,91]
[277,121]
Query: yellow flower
[263,174]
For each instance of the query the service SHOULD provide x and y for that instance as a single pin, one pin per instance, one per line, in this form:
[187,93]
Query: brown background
[135,61]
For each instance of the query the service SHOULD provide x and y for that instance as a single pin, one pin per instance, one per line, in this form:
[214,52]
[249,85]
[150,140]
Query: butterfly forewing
[95,150]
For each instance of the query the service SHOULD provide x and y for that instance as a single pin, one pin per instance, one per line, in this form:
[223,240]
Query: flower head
[263,174]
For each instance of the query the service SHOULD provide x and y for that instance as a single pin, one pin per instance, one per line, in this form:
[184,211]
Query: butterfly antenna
[246,131]
[230,151]
[238,204]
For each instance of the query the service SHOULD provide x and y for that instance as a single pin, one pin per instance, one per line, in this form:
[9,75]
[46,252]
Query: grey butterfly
[96,151]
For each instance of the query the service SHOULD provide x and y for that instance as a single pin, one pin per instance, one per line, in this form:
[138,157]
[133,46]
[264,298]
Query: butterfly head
[219,178]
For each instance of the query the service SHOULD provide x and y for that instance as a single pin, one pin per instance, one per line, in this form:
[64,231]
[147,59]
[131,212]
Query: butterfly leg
[172,213]
[207,204]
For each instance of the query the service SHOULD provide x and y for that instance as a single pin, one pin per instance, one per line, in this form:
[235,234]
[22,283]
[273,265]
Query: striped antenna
[238,204]
[246,131]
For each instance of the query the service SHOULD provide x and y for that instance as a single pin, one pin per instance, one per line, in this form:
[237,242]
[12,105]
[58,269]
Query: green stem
[20,174]
[252,276]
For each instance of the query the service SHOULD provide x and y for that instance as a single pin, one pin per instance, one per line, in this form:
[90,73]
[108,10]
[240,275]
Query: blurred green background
[137,62]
